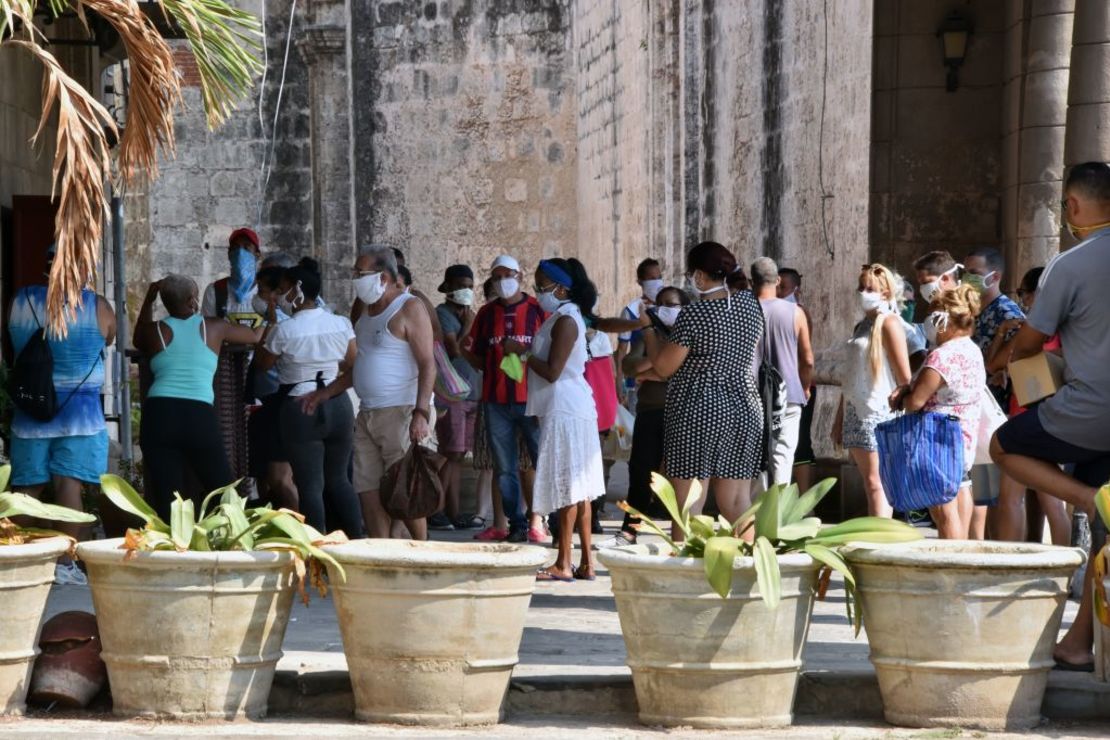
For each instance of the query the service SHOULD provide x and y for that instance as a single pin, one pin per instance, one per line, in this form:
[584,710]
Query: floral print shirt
[1000,310]
[960,363]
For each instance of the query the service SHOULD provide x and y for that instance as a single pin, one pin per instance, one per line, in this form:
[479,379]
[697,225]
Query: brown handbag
[411,488]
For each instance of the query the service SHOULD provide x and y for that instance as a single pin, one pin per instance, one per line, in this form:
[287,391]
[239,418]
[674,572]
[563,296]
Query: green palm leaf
[767,573]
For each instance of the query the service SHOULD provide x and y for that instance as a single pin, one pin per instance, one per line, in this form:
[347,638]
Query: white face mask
[260,305]
[507,287]
[668,314]
[935,322]
[369,288]
[549,301]
[929,290]
[651,289]
[869,300]
[793,297]
[461,297]
[289,305]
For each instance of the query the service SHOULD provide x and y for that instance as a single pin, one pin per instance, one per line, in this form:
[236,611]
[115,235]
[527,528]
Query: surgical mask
[668,314]
[289,305]
[651,289]
[935,322]
[1077,232]
[243,265]
[507,287]
[792,297]
[549,301]
[907,312]
[369,288]
[981,283]
[461,297]
[869,300]
[260,305]
[930,289]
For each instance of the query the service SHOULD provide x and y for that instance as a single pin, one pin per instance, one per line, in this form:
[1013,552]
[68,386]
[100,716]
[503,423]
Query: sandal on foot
[1064,665]
[547,575]
[578,575]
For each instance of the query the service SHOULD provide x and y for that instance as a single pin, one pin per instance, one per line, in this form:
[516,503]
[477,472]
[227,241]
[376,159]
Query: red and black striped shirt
[494,322]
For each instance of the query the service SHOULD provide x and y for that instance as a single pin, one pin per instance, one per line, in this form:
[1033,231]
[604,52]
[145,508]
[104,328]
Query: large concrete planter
[26,573]
[702,661]
[962,633]
[192,635]
[431,629]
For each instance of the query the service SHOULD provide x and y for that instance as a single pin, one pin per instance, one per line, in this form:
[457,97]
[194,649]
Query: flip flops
[547,575]
[1063,665]
[579,577]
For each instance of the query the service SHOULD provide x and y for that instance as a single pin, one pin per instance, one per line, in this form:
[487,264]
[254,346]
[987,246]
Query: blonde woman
[951,382]
[877,363]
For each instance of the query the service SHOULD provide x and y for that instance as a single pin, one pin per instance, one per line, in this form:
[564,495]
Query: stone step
[849,693]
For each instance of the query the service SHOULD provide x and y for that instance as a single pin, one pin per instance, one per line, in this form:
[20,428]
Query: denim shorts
[35,460]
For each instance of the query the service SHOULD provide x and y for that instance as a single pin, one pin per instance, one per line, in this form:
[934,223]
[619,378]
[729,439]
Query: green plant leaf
[20,504]
[1102,503]
[767,572]
[650,523]
[199,541]
[806,528]
[809,500]
[867,529]
[181,522]
[239,527]
[787,500]
[694,496]
[720,555]
[748,517]
[664,491]
[831,558]
[5,476]
[767,518]
[120,493]
[702,526]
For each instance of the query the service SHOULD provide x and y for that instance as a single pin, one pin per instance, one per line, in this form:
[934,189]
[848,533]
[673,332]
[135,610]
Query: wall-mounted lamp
[954,33]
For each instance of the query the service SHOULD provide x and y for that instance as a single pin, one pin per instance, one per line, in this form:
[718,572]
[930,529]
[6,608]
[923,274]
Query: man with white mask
[393,375]
[513,316]
[649,275]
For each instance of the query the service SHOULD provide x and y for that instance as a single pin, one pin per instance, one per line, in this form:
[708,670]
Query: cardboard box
[1036,378]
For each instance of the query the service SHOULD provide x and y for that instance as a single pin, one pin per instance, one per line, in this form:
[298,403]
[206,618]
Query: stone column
[1013,68]
[1088,119]
[323,45]
[1044,112]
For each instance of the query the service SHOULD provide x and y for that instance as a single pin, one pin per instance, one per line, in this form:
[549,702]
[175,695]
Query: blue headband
[556,273]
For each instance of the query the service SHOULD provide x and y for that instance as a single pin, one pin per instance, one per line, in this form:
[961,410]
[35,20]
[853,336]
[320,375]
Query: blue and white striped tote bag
[921,459]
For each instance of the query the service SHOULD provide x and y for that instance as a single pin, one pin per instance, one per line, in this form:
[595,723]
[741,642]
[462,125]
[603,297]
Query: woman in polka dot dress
[714,415]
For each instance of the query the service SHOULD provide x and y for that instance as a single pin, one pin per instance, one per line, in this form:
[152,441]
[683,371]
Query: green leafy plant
[776,524]
[224,523]
[20,504]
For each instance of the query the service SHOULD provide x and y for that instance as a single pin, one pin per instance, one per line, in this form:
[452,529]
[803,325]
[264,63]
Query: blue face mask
[243,265]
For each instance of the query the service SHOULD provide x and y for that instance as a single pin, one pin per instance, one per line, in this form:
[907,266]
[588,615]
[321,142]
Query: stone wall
[936,169]
[216,181]
[463,131]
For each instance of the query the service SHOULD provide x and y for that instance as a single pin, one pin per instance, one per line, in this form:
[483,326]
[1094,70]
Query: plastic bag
[411,488]
[991,417]
[622,427]
[449,383]
[513,367]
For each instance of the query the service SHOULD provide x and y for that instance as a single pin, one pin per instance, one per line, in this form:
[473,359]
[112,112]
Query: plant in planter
[229,568]
[27,557]
[692,656]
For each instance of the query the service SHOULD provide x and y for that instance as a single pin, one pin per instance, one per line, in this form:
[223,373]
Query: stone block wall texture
[937,155]
[215,182]
[463,136]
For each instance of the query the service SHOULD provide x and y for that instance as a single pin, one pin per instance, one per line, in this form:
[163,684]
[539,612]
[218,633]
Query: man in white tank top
[393,376]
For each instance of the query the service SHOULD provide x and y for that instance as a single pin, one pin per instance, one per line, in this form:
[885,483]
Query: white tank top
[868,395]
[385,372]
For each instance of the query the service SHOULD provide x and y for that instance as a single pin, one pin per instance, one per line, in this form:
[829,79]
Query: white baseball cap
[505,261]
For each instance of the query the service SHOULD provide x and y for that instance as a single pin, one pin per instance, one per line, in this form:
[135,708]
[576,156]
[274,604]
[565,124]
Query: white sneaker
[68,574]
[617,540]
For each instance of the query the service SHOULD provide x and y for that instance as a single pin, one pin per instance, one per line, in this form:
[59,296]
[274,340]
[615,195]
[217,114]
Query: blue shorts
[1025,435]
[36,460]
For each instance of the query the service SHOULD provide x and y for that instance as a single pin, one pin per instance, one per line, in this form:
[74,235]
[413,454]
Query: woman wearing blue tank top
[179,428]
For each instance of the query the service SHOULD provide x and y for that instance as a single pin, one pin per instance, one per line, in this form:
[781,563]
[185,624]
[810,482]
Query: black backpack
[772,391]
[32,379]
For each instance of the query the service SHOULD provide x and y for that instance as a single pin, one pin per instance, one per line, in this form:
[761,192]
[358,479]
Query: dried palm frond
[155,87]
[225,42]
[80,164]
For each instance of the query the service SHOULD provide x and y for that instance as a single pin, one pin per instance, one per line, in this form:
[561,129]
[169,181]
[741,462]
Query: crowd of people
[719,371]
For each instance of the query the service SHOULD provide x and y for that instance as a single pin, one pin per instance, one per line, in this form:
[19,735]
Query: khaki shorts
[381,439]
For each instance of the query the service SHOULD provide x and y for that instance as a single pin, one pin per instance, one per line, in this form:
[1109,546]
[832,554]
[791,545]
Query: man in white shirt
[393,375]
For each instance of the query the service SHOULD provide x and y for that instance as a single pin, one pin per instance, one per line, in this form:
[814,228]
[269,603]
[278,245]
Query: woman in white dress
[569,470]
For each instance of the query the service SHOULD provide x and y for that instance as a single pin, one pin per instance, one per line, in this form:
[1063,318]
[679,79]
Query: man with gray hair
[393,375]
[786,347]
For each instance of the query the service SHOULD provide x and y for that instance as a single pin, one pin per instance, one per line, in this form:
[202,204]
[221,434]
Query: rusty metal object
[68,672]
